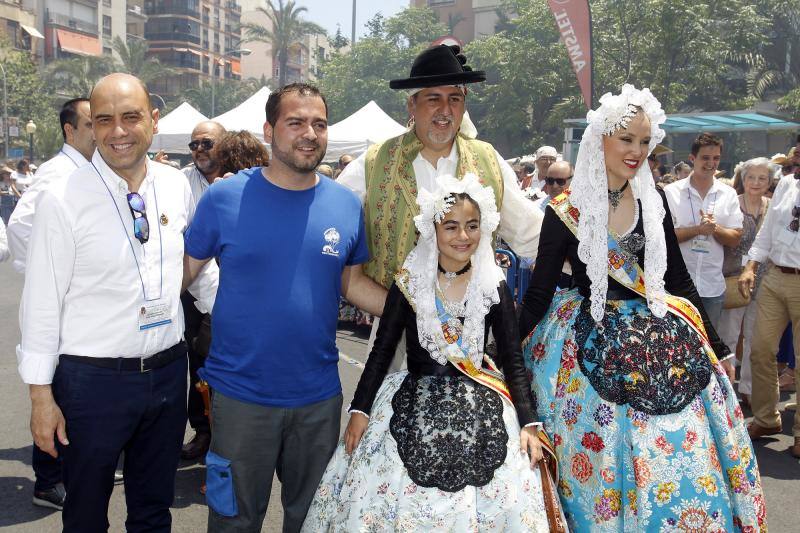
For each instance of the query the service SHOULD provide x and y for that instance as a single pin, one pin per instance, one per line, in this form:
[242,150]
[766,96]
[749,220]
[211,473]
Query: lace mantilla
[417,279]
[655,365]
[590,193]
[449,431]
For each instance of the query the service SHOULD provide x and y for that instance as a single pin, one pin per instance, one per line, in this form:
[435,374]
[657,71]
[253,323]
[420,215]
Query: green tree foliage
[680,49]
[75,77]
[351,80]
[286,28]
[339,41]
[134,60]
[26,93]
[48,138]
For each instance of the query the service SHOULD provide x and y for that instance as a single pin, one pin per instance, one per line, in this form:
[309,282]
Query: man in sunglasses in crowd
[205,168]
[778,240]
[101,320]
[556,179]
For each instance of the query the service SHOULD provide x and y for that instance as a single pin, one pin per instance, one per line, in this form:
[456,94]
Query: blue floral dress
[645,423]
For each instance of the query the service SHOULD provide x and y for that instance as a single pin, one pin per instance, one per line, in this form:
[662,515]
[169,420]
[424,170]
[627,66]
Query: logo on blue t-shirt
[332,237]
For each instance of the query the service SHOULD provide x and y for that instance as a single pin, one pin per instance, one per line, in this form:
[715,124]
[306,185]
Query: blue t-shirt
[281,257]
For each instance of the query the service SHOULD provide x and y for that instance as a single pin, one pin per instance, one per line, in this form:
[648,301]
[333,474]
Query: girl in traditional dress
[439,447]
[644,420]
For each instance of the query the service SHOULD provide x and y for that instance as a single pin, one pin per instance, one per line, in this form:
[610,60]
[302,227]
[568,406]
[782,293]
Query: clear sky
[329,13]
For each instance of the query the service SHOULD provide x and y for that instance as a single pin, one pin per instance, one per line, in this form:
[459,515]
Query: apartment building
[200,39]
[18,26]
[305,56]
[468,19]
[84,27]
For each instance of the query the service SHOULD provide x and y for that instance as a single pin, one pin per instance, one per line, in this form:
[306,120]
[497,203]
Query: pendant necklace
[615,195]
[451,276]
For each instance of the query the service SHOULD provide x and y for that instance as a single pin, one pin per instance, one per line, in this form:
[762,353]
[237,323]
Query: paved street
[780,472]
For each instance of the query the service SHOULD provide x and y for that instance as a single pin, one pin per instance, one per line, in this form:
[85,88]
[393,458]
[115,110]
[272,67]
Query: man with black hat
[439,142]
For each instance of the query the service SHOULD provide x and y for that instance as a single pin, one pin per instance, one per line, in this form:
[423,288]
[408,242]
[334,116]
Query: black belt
[788,270]
[133,364]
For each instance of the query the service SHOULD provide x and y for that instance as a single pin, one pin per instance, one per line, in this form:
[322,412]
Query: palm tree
[287,28]
[75,77]
[134,60]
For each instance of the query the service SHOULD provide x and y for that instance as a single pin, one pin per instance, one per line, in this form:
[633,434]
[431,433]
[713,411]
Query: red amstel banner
[574,22]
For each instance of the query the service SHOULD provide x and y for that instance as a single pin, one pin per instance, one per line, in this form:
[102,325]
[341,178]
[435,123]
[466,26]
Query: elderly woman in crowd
[751,180]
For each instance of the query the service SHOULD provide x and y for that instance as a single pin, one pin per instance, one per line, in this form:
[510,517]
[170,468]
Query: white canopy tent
[250,115]
[175,129]
[367,126]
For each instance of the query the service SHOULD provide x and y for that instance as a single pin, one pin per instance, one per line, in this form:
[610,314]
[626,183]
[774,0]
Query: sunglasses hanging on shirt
[794,225]
[141,228]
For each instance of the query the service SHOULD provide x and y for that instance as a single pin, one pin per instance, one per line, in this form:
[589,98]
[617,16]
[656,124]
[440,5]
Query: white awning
[33,32]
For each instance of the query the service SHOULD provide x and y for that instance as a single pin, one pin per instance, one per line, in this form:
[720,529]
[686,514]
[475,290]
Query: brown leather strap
[552,505]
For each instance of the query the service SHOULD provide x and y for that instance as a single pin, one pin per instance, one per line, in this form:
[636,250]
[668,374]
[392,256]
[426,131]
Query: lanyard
[125,230]
[691,204]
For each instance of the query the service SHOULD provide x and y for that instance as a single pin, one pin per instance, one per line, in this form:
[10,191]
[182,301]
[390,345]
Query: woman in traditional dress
[644,420]
[439,447]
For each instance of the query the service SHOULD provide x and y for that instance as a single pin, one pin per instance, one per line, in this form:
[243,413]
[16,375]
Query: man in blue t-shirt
[289,243]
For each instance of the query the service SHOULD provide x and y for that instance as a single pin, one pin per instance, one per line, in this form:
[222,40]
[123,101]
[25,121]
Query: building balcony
[155,8]
[233,6]
[58,19]
[172,36]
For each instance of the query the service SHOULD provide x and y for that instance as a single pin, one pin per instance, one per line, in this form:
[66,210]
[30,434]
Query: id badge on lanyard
[154,312]
[701,245]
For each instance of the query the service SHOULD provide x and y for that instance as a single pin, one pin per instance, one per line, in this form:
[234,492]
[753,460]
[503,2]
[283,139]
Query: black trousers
[108,412]
[197,417]
[46,468]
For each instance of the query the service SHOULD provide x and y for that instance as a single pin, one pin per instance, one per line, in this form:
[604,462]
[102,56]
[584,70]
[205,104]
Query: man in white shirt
[778,303]
[437,104]
[205,168]
[707,217]
[545,156]
[76,128]
[101,319]
[387,177]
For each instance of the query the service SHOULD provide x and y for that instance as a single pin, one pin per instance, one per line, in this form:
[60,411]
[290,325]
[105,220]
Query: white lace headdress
[421,265]
[590,195]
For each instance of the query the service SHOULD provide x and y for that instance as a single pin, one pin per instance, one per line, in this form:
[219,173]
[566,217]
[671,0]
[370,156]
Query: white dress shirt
[705,267]
[774,240]
[88,275]
[197,182]
[62,165]
[520,221]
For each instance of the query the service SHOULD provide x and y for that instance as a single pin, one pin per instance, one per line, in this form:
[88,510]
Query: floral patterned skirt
[648,436]
[371,490]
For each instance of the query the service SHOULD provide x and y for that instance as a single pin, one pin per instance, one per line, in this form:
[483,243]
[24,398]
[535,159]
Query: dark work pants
[109,412]
[197,417]
[46,468]
[297,443]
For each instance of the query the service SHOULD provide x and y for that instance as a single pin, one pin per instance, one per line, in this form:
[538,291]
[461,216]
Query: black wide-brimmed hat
[439,65]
